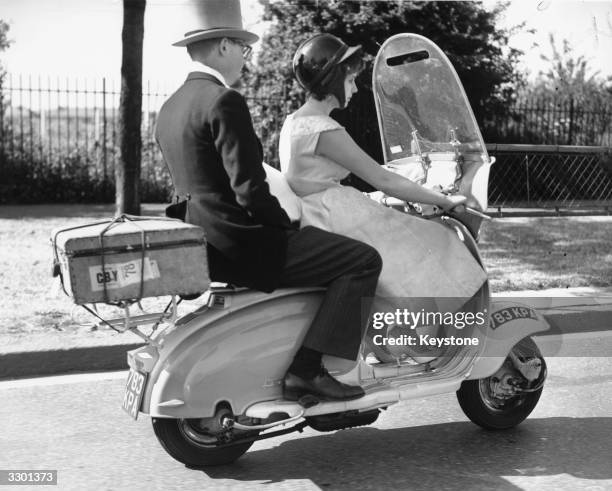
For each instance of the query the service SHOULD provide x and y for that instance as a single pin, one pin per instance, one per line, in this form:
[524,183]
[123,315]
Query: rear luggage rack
[123,260]
[132,323]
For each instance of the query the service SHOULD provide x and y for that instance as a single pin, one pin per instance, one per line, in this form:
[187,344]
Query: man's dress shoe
[322,385]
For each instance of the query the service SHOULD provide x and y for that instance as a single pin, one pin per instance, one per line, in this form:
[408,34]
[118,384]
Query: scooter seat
[191,296]
[218,287]
[215,287]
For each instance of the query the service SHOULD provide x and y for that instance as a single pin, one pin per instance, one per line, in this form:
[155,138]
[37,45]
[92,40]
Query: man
[207,139]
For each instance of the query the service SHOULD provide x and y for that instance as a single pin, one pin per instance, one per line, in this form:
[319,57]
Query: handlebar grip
[391,201]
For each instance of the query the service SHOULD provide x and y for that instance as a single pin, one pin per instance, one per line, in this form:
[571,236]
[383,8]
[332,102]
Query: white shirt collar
[197,66]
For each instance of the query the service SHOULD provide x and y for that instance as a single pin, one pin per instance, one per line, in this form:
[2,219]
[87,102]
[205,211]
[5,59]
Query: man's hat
[216,19]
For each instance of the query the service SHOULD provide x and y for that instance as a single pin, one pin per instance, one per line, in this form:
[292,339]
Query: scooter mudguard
[509,323]
[237,353]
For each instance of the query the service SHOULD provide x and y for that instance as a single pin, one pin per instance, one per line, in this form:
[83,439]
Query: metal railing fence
[62,134]
[553,121]
[60,125]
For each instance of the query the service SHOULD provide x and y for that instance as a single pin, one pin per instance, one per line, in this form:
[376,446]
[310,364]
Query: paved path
[567,310]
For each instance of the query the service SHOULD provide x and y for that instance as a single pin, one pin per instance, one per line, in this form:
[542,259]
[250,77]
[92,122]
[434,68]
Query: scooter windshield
[421,105]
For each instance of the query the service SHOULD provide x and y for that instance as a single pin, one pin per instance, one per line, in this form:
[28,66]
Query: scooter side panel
[509,323]
[239,358]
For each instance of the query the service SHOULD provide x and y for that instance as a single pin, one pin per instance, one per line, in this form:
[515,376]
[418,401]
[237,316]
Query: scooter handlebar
[477,213]
[391,201]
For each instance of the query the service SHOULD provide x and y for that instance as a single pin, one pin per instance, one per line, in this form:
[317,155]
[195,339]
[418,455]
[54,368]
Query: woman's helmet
[317,65]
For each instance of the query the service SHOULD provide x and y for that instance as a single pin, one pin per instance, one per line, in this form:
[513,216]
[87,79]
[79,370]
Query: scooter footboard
[238,355]
[509,323]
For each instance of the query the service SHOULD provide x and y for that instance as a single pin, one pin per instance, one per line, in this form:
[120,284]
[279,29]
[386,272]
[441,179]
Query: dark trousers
[349,269]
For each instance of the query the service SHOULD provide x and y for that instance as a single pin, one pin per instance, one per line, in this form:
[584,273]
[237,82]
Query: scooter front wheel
[491,403]
[192,443]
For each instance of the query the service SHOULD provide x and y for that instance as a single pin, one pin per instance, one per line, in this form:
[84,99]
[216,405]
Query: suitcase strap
[123,218]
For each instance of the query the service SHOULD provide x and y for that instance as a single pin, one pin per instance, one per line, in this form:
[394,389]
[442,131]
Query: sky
[82,38]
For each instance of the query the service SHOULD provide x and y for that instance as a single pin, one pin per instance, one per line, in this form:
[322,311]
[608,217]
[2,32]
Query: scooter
[212,380]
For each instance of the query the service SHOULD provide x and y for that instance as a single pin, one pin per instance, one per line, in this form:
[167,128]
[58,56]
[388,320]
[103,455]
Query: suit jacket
[206,136]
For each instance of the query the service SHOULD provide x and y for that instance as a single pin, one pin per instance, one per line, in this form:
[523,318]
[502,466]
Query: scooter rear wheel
[195,449]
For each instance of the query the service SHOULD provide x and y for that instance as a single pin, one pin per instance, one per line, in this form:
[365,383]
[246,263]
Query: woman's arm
[338,146]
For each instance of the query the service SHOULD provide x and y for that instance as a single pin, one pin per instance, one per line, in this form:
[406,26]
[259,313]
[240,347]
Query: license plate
[134,390]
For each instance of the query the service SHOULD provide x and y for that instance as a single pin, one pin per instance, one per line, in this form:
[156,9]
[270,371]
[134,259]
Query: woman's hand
[455,202]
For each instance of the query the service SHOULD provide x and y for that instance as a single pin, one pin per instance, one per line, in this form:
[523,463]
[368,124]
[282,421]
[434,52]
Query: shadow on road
[456,455]
[63,211]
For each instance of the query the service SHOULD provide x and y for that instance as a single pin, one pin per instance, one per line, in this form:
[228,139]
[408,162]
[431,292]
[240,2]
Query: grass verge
[519,253]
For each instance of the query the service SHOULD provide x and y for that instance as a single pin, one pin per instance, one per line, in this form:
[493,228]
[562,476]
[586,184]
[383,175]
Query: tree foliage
[578,97]
[567,75]
[4,44]
[466,31]
[4,40]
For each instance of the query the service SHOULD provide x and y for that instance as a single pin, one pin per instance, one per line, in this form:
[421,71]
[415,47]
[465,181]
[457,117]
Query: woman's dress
[421,258]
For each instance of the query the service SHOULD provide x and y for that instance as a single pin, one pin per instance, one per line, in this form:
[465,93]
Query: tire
[480,413]
[491,414]
[186,450]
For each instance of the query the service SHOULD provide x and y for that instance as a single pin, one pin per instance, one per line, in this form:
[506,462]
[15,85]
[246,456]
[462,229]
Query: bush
[69,178]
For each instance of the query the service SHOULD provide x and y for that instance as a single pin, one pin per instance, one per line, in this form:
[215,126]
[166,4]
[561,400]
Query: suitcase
[128,258]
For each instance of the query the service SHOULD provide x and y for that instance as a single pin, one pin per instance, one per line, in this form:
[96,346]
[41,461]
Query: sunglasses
[246,49]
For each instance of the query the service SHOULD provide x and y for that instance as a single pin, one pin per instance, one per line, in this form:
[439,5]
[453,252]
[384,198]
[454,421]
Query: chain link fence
[552,177]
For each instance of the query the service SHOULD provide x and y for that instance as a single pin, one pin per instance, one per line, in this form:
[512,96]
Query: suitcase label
[119,275]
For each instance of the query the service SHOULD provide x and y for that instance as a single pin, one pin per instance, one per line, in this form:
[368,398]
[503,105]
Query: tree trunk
[127,170]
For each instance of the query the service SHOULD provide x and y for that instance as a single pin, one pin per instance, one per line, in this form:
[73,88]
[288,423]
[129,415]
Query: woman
[420,258]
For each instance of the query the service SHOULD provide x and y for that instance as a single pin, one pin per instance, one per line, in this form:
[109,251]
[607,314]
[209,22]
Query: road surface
[74,424]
